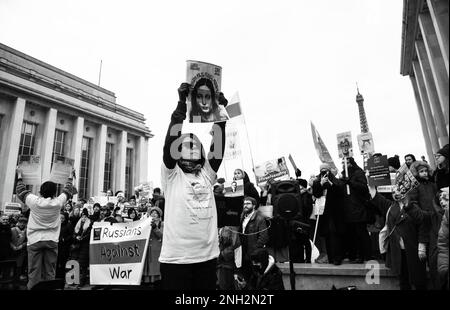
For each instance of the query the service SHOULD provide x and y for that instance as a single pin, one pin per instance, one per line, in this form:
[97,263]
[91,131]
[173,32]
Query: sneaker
[322,260]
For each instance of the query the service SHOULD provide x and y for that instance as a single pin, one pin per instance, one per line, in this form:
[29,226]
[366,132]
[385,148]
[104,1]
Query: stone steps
[369,276]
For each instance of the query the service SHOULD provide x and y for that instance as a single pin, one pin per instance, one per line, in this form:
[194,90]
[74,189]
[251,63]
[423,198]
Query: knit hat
[157,210]
[444,151]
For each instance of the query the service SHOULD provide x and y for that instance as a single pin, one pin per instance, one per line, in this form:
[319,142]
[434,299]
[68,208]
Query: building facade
[424,58]
[48,112]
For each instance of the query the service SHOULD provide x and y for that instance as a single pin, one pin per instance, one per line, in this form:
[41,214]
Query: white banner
[117,252]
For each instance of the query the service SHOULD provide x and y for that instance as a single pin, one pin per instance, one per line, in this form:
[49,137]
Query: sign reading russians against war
[117,252]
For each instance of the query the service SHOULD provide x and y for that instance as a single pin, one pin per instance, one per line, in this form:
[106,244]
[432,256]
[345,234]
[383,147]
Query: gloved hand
[298,173]
[222,100]
[183,91]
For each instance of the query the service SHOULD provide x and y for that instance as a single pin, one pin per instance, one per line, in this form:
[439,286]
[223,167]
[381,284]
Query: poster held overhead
[275,169]
[61,169]
[378,168]
[345,146]
[202,103]
[31,169]
[365,143]
[405,180]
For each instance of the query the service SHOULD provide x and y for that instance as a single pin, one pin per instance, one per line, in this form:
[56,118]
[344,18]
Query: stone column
[436,61]
[47,143]
[99,160]
[121,161]
[9,163]
[431,126]
[141,173]
[423,122]
[439,16]
[432,94]
[75,149]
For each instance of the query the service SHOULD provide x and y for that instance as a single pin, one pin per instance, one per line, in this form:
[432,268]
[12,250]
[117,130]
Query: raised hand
[183,91]
[222,100]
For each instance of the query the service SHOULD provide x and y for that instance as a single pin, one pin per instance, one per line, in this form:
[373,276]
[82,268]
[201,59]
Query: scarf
[190,165]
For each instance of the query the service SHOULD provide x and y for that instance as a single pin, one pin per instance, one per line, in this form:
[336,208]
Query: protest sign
[273,169]
[378,168]
[232,146]
[345,147]
[61,169]
[102,200]
[365,143]
[229,210]
[387,188]
[12,208]
[202,103]
[234,188]
[117,252]
[404,180]
[31,169]
[322,150]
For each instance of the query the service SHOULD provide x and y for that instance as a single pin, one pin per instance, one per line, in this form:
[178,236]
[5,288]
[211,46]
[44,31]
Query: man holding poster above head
[203,103]
[190,244]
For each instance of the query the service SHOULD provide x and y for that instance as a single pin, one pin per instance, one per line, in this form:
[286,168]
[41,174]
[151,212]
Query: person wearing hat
[80,249]
[152,273]
[120,201]
[424,196]
[332,221]
[441,175]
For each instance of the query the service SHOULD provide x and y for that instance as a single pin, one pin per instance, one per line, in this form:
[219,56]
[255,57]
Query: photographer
[332,222]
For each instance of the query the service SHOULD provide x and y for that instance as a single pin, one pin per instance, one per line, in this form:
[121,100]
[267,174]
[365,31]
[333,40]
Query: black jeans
[197,276]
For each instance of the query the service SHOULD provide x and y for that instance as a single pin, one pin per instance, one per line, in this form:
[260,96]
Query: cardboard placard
[275,169]
[31,169]
[345,146]
[378,168]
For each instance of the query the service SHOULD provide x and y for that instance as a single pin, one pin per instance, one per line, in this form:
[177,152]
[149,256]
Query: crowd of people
[191,248]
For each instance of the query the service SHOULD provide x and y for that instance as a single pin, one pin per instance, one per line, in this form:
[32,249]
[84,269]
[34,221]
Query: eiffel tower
[362,113]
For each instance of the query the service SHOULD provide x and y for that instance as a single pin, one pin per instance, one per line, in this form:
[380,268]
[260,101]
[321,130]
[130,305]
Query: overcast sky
[292,62]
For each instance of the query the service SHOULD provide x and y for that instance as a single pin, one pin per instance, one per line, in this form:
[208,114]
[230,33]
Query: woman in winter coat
[249,188]
[425,197]
[65,241]
[80,246]
[443,249]
[407,235]
[152,273]
[356,212]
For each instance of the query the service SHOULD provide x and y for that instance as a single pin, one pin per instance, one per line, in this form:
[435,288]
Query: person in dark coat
[265,273]
[332,221]
[249,188]
[80,246]
[441,175]
[443,250]
[65,240]
[424,196]
[405,254]
[356,212]
[226,266]
[254,233]
[5,238]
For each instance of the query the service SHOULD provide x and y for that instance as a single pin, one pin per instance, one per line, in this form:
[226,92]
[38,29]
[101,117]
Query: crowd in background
[354,217]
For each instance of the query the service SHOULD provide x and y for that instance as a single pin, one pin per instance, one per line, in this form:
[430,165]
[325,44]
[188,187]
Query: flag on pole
[321,149]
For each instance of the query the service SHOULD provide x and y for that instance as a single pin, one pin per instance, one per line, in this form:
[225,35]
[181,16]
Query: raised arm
[218,131]
[21,190]
[175,126]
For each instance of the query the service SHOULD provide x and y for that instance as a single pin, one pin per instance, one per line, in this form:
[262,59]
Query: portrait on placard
[345,147]
[365,143]
[234,188]
[203,100]
[275,169]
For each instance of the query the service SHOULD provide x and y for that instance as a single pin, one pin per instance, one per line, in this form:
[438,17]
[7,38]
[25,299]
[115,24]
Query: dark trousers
[334,245]
[405,283]
[358,241]
[300,247]
[197,276]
